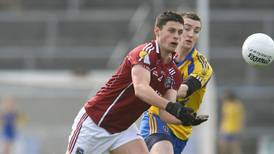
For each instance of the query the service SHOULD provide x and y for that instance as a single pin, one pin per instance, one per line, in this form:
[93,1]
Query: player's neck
[182,54]
[165,56]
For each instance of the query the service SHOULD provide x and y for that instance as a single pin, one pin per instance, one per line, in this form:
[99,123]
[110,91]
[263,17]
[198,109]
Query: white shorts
[87,138]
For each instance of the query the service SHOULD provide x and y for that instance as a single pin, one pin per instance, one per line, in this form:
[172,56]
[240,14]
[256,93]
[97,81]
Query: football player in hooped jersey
[147,76]
[157,127]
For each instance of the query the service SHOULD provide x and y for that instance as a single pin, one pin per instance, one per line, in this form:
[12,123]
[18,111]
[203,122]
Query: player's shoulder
[201,62]
[201,58]
[150,49]
[199,55]
[146,53]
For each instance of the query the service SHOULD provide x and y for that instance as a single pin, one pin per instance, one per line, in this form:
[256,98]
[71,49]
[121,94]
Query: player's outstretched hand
[199,119]
[185,114]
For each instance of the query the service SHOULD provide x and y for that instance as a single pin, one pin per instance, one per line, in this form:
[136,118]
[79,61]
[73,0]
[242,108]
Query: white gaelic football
[258,49]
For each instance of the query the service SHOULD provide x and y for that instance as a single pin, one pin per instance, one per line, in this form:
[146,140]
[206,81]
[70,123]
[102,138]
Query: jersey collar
[189,56]
[172,56]
[157,47]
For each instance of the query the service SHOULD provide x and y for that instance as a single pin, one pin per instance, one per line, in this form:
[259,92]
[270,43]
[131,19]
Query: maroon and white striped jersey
[115,106]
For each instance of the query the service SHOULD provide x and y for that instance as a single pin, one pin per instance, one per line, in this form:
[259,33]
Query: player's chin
[188,46]
[172,47]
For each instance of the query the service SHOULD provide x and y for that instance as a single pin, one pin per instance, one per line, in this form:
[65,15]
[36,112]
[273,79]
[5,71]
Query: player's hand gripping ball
[258,49]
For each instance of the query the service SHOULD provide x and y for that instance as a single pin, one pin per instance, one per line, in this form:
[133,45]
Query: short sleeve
[141,55]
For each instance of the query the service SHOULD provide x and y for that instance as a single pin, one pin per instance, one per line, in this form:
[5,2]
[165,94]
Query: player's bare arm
[182,92]
[141,80]
[171,95]
[189,86]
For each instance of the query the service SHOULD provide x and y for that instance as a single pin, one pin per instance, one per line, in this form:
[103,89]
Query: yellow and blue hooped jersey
[197,66]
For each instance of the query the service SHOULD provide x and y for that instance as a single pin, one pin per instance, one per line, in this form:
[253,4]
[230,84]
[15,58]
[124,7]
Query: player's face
[190,34]
[169,36]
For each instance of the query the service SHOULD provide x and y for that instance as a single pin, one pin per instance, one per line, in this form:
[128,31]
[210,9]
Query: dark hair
[191,15]
[163,18]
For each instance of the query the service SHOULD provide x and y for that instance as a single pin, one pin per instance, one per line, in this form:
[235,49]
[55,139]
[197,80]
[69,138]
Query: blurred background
[55,54]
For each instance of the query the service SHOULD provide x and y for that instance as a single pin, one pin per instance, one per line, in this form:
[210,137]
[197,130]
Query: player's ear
[157,31]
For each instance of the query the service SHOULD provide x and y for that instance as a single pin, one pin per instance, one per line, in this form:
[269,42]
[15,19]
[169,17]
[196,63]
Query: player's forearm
[190,85]
[147,94]
[168,118]
[182,92]
[165,116]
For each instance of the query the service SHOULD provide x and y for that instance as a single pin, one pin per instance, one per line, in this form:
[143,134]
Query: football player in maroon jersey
[147,76]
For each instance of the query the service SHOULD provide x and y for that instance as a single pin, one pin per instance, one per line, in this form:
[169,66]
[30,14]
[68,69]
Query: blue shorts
[151,126]
[8,135]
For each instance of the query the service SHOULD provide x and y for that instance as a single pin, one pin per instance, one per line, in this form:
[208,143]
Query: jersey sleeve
[203,71]
[143,55]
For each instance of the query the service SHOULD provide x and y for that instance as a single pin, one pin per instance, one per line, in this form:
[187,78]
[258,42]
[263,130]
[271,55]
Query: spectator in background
[8,119]
[232,121]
